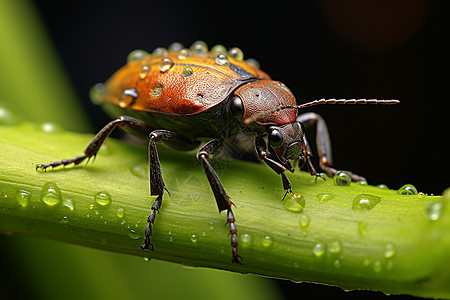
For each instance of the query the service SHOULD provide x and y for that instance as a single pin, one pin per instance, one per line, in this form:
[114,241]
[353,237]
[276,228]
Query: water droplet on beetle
[324,197]
[266,241]
[222,60]
[342,179]
[102,198]
[218,49]
[319,249]
[160,52]
[175,48]
[199,48]
[434,210]
[184,53]
[23,197]
[365,202]
[51,194]
[254,63]
[187,71]
[165,64]
[136,54]
[407,189]
[236,54]
[143,73]
[246,240]
[127,97]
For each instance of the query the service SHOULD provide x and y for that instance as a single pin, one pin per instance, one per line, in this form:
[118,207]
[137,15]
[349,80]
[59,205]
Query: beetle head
[287,141]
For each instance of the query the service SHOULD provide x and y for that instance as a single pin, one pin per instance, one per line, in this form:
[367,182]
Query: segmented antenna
[320,102]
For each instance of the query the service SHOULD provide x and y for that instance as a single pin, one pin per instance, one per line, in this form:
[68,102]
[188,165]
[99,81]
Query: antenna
[320,102]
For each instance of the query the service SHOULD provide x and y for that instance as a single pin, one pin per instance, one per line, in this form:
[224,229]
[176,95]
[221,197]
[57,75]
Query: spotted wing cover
[176,85]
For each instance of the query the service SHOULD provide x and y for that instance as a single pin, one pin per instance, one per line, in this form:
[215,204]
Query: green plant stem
[401,245]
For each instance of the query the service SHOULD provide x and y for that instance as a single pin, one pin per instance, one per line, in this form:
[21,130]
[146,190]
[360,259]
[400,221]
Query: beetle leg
[93,147]
[222,199]
[308,160]
[157,186]
[263,153]
[323,144]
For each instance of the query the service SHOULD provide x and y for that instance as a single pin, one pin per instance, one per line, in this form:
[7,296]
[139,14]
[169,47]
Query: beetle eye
[275,137]
[236,106]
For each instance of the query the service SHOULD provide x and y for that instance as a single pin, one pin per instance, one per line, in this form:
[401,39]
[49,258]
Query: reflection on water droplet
[319,249]
[51,128]
[407,189]
[389,250]
[382,186]
[127,97]
[145,70]
[342,179]
[377,266]
[139,171]
[434,210]
[335,247]
[133,235]
[421,195]
[120,212]
[51,194]
[165,64]
[68,203]
[295,203]
[194,238]
[324,197]
[102,198]
[64,220]
[136,54]
[23,197]
[147,259]
[266,241]
[304,220]
[246,239]
[365,202]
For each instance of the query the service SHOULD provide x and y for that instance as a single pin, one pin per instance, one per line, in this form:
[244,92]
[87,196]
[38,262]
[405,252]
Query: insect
[182,97]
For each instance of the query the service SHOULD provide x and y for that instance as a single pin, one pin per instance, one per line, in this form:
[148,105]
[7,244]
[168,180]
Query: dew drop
[102,198]
[254,63]
[175,48]
[96,92]
[335,247]
[407,189]
[165,64]
[389,250]
[211,226]
[199,48]
[184,53]
[51,127]
[295,203]
[23,197]
[143,73]
[324,197]
[377,266]
[342,179]
[194,238]
[127,97]
[51,194]
[136,54]
[304,220]
[160,52]
[246,239]
[187,71]
[139,171]
[337,264]
[365,202]
[64,220]
[236,54]
[382,186]
[218,49]
[319,249]
[434,210]
[68,203]
[120,212]
[133,235]
[266,241]
[7,116]
[147,259]
[421,195]
[222,60]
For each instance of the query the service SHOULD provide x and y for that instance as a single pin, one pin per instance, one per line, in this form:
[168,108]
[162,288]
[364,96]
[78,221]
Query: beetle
[182,97]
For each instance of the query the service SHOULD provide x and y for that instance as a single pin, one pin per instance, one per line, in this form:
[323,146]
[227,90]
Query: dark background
[319,49]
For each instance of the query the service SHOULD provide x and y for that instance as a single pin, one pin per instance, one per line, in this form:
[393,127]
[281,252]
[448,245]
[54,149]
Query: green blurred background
[52,52]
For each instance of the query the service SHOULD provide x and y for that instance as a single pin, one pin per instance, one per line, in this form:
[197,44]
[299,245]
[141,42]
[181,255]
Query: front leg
[223,201]
[263,153]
